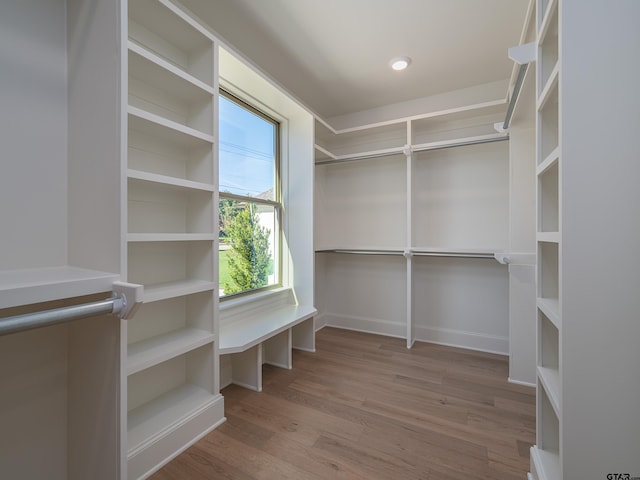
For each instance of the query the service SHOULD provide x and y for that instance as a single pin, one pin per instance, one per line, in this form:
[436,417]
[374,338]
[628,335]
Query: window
[249,207]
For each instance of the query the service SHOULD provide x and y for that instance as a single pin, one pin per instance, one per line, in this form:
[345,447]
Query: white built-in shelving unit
[587,236]
[407,205]
[171,243]
[545,457]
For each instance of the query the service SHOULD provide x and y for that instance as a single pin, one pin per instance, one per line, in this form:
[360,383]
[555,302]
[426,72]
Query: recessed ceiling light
[400,63]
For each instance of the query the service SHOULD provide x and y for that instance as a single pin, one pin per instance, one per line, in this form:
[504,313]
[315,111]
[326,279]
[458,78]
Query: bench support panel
[247,368]
[304,335]
[277,350]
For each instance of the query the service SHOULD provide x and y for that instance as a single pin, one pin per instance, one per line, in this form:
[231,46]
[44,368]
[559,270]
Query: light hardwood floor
[365,407]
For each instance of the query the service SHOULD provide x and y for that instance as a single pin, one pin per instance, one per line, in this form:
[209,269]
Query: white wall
[33,134]
[600,230]
[95,174]
[365,292]
[33,404]
[361,203]
[461,197]
[462,302]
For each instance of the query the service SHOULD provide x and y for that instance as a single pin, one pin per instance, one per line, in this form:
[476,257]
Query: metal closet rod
[522,71]
[408,253]
[365,252]
[29,321]
[400,150]
[453,255]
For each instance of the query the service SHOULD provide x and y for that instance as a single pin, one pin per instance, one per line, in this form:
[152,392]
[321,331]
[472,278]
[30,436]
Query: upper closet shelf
[331,158]
[164,75]
[327,157]
[158,126]
[363,251]
[28,286]
[168,181]
[171,237]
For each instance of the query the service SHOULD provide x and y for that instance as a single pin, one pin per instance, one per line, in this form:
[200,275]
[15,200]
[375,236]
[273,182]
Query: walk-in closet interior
[499,216]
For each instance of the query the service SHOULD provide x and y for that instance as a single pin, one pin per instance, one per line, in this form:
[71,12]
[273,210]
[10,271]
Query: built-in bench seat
[259,331]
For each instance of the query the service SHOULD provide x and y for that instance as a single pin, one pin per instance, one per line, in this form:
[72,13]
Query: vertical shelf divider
[547,453]
[411,329]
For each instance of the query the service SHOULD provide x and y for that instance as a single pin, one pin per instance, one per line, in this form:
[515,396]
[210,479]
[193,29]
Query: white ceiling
[334,54]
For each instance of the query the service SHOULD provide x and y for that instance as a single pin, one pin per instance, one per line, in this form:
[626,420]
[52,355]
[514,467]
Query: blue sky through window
[246,153]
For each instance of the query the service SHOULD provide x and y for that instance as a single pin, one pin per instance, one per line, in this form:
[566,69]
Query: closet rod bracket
[132,295]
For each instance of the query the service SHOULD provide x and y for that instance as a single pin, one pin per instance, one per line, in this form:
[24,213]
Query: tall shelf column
[587,237]
[172,374]
[546,455]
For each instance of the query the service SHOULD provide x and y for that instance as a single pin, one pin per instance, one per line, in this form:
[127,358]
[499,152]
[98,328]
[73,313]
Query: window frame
[276,203]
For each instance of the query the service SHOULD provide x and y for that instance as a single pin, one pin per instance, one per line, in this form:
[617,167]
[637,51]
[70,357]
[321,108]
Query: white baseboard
[459,338]
[519,382]
[442,336]
[320,321]
[366,325]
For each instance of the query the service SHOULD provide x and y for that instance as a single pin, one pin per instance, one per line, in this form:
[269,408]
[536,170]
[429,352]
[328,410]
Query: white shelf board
[547,464]
[241,334]
[324,152]
[551,308]
[168,181]
[455,113]
[162,16]
[384,152]
[164,413]
[422,147]
[153,69]
[551,237]
[157,72]
[155,350]
[546,20]
[550,161]
[550,379]
[547,90]
[369,250]
[157,126]
[171,237]
[162,291]
[28,286]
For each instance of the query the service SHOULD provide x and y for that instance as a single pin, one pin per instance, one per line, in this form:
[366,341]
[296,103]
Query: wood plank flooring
[365,407]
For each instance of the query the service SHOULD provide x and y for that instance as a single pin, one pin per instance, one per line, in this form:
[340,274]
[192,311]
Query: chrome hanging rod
[29,321]
[356,158]
[522,71]
[417,148]
[523,55]
[126,299]
[460,143]
[453,255]
[409,253]
[365,252]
